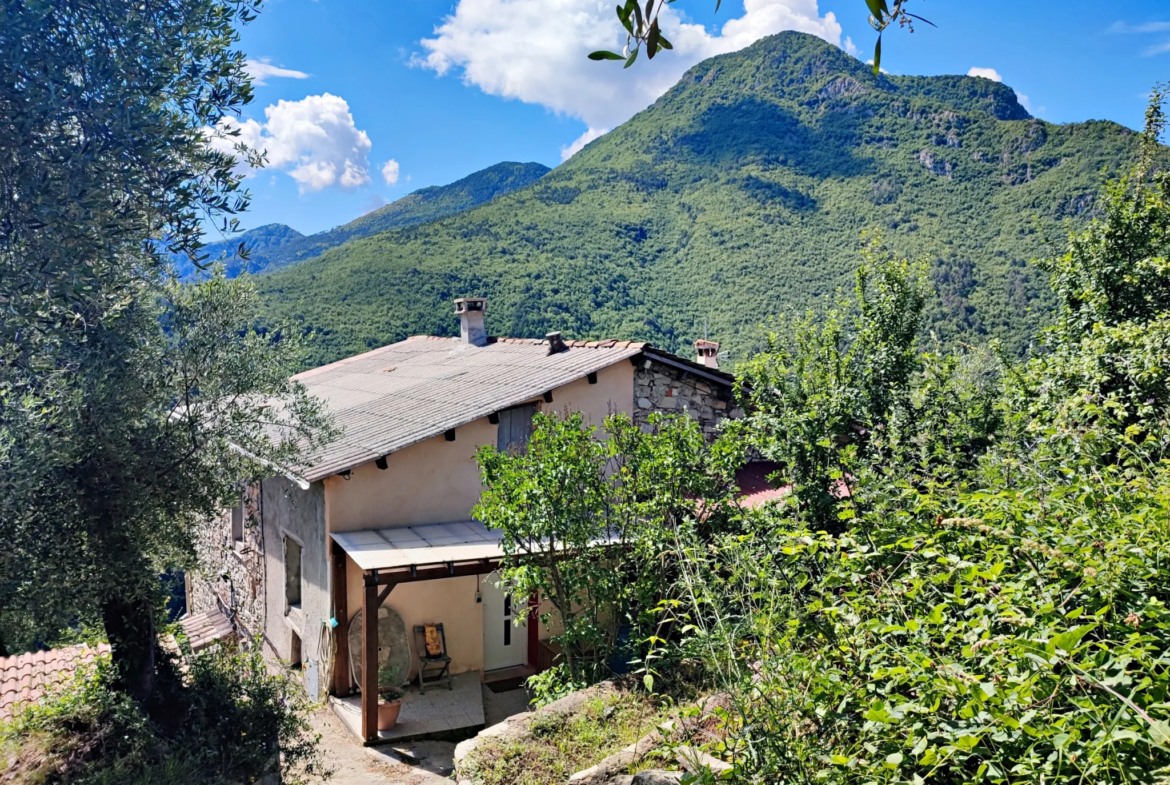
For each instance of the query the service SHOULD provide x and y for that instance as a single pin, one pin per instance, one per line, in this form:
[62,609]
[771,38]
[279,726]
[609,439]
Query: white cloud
[568,151]
[535,51]
[1147,27]
[1025,102]
[390,172]
[261,71]
[986,73]
[1158,49]
[314,140]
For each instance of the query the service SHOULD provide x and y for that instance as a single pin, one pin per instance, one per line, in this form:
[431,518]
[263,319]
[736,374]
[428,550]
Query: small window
[292,574]
[294,651]
[238,526]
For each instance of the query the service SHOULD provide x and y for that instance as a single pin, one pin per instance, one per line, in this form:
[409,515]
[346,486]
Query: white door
[504,644]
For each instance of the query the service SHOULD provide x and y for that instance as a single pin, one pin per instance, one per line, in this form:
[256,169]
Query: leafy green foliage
[740,195]
[177,402]
[276,245]
[571,493]
[828,382]
[229,719]
[997,608]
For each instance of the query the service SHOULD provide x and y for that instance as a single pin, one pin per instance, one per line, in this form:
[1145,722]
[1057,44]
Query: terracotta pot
[388,713]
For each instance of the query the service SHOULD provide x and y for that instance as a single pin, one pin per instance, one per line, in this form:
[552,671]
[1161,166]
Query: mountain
[741,194]
[274,246]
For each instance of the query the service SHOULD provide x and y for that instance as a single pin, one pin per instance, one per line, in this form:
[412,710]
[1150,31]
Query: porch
[389,558]
[440,713]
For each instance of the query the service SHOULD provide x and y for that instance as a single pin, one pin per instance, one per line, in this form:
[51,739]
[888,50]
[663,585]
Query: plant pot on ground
[389,697]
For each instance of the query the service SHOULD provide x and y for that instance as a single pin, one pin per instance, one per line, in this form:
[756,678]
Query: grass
[562,745]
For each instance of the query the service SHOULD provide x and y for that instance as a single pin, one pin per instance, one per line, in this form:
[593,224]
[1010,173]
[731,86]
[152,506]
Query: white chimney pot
[470,311]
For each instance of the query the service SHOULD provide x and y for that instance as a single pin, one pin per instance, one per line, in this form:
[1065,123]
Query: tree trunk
[129,624]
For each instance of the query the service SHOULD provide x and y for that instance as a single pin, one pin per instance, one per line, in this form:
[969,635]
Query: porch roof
[400,547]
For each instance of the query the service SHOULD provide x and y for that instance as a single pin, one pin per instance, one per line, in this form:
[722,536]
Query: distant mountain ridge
[740,195]
[274,246]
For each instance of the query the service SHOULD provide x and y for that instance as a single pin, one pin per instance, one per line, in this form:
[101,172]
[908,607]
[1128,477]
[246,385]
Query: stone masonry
[231,573]
[663,388]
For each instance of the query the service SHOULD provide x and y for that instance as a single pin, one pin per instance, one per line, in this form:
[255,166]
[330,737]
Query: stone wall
[230,576]
[247,576]
[663,388]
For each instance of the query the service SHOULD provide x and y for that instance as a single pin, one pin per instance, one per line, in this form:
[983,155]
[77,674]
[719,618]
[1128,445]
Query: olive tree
[130,408]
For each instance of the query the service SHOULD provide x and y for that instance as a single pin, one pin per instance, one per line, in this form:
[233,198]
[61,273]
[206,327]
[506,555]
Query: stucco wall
[450,601]
[301,514]
[437,481]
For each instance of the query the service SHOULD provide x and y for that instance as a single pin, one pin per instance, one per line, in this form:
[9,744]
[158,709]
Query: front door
[504,644]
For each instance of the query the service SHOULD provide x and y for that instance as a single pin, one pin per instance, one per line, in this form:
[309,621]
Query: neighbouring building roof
[204,629]
[26,678]
[399,395]
[754,487]
[418,546]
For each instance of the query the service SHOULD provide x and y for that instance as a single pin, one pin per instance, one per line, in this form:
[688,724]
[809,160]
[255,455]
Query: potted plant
[389,697]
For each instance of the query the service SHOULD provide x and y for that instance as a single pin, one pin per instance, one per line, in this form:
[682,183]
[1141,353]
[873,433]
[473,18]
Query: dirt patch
[354,764]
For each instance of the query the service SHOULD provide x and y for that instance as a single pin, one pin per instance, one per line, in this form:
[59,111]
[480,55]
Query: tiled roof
[398,395]
[754,487]
[204,629]
[26,678]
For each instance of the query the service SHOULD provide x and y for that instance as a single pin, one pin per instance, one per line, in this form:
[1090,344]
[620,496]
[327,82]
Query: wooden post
[341,683]
[369,684]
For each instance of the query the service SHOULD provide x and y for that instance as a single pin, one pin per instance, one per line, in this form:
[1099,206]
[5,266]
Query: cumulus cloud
[986,73]
[568,151]
[261,71]
[535,51]
[314,140]
[390,172]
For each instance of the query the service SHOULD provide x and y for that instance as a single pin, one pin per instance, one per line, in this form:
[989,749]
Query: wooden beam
[370,657]
[548,397]
[449,435]
[341,683]
[437,571]
[494,418]
[592,377]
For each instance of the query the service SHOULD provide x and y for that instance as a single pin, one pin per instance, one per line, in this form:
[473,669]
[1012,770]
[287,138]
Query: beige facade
[433,481]
[437,481]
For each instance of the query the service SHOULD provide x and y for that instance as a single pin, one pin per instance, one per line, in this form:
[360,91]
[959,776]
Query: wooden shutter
[515,427]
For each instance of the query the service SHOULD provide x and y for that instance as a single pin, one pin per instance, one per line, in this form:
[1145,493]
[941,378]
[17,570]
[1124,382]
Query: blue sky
[442,88]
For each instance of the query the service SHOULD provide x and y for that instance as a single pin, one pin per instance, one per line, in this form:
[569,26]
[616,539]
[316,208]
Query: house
[382,516]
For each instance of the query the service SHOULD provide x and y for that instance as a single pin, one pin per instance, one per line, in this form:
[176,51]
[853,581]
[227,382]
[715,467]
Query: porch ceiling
[416,546]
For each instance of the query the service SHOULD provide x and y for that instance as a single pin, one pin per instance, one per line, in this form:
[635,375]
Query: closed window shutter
[515,427]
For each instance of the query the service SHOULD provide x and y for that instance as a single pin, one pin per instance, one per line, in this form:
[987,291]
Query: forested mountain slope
[740,194]
[275,245]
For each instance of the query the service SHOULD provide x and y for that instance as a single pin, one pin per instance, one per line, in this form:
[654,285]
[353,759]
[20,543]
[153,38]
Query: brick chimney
[708,353]
[470,312]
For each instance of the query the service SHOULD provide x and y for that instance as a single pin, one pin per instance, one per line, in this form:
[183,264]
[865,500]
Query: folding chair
[431,644]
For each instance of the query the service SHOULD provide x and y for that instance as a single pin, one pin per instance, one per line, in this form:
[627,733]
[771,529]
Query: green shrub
[227,716]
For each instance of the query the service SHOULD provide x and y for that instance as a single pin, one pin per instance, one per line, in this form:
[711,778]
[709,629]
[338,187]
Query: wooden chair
[432,654]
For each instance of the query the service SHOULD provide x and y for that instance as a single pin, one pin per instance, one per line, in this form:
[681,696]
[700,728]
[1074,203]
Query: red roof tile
[26,678]
[754,487]
[204,629]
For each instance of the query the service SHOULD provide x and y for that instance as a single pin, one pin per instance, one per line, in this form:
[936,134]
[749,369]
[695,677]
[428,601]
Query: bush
[227,717]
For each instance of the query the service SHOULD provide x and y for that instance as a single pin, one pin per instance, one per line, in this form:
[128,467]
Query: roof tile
[26,678]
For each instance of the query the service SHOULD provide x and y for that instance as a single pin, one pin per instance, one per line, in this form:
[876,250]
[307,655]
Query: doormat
[506,685]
